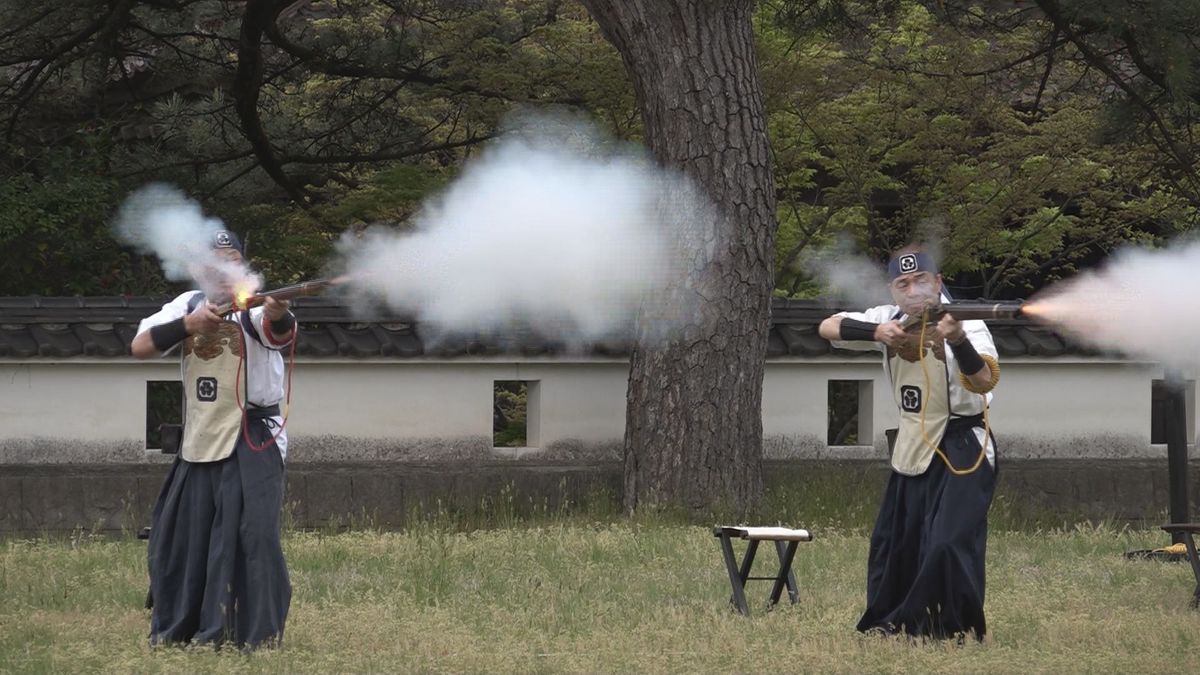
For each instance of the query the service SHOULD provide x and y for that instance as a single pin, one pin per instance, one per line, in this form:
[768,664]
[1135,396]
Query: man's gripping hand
[204,319]
[889,333]
[951,329]
[275,309]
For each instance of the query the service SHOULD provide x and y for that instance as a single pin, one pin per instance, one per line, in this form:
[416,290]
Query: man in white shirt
[925,574]
[217,572]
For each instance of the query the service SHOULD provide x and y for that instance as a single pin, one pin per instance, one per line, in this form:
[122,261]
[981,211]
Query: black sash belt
[968,421]
[262,412]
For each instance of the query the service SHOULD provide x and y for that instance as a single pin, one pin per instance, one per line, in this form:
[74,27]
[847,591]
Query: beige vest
[915,449]
[210,377]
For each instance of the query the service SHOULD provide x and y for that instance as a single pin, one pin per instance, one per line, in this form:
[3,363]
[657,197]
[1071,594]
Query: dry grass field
[609,595]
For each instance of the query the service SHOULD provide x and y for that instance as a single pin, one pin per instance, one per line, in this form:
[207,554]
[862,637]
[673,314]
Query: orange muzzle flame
[1033,309]
[1049,309]
[242,295]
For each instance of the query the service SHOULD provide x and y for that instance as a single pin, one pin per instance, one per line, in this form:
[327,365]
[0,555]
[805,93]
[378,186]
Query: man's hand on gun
[275,308]
[205,318]
[202,320]
[890,333]
[951,329]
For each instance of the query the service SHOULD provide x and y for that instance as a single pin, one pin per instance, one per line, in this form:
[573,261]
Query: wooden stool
[740,574]
[1189,531]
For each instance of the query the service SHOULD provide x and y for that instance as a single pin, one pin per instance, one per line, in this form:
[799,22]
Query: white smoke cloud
[850,279]
[160,220]
[1140,302]
[549,229]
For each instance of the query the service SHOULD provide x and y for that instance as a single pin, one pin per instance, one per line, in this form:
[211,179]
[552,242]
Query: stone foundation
[60,498]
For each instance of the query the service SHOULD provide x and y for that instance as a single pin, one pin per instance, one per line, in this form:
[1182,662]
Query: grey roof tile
[58,342]
[32,327]
[776,347]
[99,342]
[16,341]
[1008,343]
[1041,342]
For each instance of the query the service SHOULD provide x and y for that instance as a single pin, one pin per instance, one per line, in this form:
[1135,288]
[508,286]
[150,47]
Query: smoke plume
[556,232]
[160,220]
[850,279]
[1139,303]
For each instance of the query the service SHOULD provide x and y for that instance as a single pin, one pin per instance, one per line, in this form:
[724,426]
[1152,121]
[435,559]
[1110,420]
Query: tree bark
[693,430]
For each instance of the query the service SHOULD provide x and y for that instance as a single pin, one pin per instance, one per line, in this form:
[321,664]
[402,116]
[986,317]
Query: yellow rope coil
[970,386]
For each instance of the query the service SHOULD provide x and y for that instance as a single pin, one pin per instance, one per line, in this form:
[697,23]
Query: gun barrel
[283,293]
[967,311]
[296,290]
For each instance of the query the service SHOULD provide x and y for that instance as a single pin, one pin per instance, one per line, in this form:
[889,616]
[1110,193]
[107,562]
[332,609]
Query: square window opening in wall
[1160,410]
[164,405]
[515,413]
[850,413]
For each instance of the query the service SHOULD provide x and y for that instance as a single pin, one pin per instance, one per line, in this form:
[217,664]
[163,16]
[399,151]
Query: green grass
[574,596]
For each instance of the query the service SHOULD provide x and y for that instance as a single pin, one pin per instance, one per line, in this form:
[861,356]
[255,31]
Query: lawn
[568,595]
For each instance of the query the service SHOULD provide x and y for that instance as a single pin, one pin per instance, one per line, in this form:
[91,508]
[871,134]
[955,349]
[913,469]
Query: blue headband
[906,263]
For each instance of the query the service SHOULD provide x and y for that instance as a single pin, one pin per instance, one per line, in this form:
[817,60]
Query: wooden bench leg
[785,576]
[735,575]
[748,561]
[1189,541]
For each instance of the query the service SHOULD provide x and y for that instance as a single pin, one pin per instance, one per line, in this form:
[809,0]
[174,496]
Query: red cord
[237,390]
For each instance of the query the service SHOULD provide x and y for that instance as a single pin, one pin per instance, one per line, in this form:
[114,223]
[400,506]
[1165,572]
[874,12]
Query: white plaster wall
[103,400]
[1074,399]
[381,400]
[424,399]
[796,396]
[579,402]
[1044,398]
[96,401]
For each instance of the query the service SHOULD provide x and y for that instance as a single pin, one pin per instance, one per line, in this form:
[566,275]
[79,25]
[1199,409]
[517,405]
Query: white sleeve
[878,314]
[258,321]
[174,309]
[981,338]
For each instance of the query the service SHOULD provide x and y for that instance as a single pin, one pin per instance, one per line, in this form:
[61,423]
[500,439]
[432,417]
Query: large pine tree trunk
[693,435]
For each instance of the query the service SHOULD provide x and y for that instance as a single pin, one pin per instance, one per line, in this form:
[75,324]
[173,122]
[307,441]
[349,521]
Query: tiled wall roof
[32,327]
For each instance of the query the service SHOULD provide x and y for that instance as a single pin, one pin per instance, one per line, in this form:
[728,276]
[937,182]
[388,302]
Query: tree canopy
[291,120]
[1029,138]
[983,129]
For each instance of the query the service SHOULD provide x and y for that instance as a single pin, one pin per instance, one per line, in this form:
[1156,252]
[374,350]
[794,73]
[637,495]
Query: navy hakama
[217,572]
[925,572]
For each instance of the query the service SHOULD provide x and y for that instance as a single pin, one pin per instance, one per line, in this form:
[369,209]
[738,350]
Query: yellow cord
[928,387]
[995,380]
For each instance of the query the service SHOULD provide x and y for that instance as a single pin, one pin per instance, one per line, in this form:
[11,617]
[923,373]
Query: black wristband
[283,325]
[167,335]
[853,329]
[969,360]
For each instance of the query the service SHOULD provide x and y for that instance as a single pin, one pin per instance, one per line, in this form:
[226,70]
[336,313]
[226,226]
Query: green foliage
[367,107]
[509,416]
[843,406]
[288,244]
[889,120]
[54,231]
[164,405]
[892,138]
